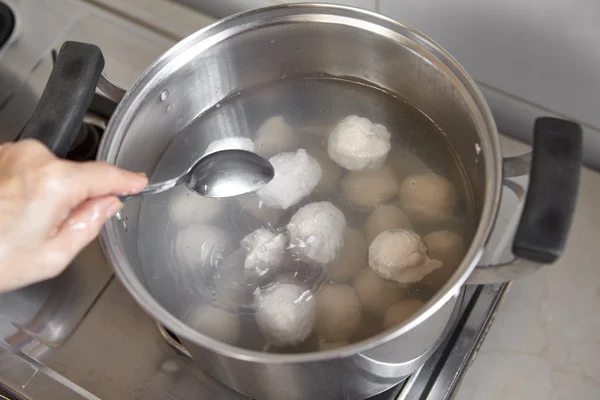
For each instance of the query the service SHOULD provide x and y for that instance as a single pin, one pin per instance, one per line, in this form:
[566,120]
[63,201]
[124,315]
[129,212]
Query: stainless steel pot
[264,45]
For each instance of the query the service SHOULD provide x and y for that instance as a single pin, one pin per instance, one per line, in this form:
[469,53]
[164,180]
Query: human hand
[50,209]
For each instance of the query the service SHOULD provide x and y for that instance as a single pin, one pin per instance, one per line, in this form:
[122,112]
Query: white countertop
[545,341]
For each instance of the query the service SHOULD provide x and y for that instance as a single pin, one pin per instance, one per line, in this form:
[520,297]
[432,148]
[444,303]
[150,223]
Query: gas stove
[81,336]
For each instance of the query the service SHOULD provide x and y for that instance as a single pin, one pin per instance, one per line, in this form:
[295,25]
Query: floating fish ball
[296,176]
[317,232]
[358,144]
[400,255]
[285,313]
[265,252]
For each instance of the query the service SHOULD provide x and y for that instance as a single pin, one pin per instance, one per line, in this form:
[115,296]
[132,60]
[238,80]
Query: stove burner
[87,141]
[7,23]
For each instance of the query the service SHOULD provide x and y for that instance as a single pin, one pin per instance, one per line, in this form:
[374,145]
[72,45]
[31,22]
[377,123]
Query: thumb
[79,229]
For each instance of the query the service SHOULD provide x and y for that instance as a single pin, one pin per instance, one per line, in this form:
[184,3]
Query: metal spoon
[223,173]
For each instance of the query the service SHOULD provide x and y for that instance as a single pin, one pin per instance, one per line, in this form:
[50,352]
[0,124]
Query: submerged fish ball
[317,232]
[338,312]
[285,313]
[187,207]
[430,197]
[400,312]
[202,245]
[358,144]
[331,171]
[275,136]
[383,218]
[232,287]
[449,248]
[230,143]
[404,162]
[296,176]
[400,255]
[376,294]
[216,323]
[366,189]
[352,259]
[325,345]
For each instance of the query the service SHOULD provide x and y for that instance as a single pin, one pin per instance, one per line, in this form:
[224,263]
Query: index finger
[97,178]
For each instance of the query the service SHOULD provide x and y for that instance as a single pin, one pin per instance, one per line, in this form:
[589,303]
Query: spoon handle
[154,188]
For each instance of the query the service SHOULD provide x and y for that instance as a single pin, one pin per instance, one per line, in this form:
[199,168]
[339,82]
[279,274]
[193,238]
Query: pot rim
[490,148]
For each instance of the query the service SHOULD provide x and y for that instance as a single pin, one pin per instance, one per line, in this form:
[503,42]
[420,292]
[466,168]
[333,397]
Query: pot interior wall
[232,56]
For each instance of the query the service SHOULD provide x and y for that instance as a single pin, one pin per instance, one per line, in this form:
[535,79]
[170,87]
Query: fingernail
[113,208]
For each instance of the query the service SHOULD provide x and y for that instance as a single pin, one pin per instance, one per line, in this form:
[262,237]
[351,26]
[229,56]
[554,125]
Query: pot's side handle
[71,86]
[550,202]
[552,193]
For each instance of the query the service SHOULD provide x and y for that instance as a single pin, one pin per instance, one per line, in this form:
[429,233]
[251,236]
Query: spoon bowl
[224,173]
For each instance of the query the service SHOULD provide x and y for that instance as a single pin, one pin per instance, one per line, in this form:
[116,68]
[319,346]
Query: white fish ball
[400,312]
[265,252]
[357,144]
[202,245]
[317,232]
[187,207]
[400,255]
[352,259]
[376,294]
[296,176]
[366,189]
[338,312]
[230,143]
[449,248]
[285,313]
[383,218]
[216,323]
[275,136]
[331,171]
[429,197]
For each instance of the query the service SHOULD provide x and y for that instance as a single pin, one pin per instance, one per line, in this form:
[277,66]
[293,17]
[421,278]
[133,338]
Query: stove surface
[94,342]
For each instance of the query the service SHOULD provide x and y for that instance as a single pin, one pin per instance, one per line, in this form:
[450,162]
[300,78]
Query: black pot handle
[552,193]
[68,94]
[554,168]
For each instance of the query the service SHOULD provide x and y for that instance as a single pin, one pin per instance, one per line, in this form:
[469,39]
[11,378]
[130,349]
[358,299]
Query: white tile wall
[223,8]
[544,51]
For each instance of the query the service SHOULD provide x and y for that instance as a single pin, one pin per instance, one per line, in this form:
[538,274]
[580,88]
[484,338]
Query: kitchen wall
[531,57]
